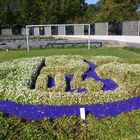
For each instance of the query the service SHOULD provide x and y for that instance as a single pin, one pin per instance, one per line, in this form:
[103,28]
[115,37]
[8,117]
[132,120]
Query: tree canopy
[18,13]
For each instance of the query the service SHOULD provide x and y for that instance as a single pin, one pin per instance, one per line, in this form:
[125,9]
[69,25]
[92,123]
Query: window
[69,30]
[41,31]
[54,30]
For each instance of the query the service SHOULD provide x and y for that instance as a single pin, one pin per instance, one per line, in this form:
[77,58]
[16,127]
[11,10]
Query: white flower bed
[15,79]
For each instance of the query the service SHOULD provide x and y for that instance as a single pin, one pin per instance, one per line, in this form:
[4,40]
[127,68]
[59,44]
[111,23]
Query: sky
[91,1]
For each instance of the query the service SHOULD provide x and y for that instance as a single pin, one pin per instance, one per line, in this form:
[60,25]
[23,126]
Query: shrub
[124,126]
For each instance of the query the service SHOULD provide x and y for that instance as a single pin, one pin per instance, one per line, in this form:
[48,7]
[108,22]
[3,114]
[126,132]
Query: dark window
[115,28]
[86,29]
[41,30]
[54,30]
[0,31]
[16,31]
[92,29]
[69,30]
[31,31]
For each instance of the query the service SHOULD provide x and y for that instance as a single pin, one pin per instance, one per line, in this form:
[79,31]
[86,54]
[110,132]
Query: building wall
[78,29]
[101,28]
[130,28]
[61,30]
[36,31]
[6,32]
[48,31]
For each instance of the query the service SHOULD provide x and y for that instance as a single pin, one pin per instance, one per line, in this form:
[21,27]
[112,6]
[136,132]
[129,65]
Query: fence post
[139,28]
[89,37]
[27,38]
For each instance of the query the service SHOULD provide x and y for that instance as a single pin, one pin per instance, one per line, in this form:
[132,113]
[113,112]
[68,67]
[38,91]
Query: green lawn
[132,55]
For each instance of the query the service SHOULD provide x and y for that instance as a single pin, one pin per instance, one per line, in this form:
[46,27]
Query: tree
[92,11]
[13,13]
[118,11]
[18,13]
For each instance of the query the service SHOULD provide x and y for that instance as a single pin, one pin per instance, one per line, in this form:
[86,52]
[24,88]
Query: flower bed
[63,84]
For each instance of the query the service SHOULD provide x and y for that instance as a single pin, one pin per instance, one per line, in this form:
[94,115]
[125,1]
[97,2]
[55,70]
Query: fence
[129,28]
[126,28]
[58,30]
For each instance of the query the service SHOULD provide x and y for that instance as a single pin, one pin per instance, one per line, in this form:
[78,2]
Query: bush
[124,126]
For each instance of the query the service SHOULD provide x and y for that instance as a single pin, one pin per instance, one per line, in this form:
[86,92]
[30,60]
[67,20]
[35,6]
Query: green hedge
[125,126]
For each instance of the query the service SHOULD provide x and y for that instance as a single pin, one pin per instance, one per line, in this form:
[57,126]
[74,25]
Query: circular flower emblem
[59,85]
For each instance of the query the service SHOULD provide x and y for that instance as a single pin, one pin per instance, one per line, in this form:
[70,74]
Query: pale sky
[91,1]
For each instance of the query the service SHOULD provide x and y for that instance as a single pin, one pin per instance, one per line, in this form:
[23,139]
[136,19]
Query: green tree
[118,11]
[13,13]
[91,12]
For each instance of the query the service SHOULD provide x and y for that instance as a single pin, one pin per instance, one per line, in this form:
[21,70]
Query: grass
[136,50]
[129,54]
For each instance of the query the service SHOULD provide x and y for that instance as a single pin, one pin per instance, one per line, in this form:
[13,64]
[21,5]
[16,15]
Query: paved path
[122,40]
